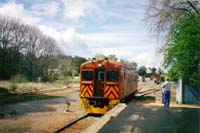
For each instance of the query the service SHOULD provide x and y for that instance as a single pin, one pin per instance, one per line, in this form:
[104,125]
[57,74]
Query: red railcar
[104,83]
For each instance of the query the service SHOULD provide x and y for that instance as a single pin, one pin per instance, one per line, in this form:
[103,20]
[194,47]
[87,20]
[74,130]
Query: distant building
[153,76]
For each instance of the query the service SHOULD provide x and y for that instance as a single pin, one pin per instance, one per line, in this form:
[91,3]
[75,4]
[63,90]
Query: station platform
[154,119]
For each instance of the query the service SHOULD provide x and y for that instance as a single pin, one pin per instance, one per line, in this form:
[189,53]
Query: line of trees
[24,50]
[65,66]
[131,64]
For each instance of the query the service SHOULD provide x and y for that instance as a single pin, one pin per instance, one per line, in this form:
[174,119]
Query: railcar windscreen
[101,75]
[87,75]
[112,76]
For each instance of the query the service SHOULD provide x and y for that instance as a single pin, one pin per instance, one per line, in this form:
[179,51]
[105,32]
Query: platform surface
[151,119]
[95,127]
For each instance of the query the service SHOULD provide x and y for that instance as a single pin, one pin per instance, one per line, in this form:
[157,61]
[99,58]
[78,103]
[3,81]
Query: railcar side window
[112,76]
[87,75]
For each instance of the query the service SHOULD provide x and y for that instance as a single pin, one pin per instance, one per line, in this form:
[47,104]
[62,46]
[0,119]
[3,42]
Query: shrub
[19,78]
[65,81]
[13,87]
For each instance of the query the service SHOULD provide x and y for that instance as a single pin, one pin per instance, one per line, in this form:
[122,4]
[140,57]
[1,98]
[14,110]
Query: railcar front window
[101,75]
[112,76]
[87,75]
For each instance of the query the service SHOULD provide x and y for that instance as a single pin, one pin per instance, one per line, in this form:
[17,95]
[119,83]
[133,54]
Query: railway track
[143,93]
[78,125]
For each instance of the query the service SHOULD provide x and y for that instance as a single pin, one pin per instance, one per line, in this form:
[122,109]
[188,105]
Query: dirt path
[42,115]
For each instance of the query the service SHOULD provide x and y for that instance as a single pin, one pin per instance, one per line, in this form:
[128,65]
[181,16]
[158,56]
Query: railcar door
[99,83]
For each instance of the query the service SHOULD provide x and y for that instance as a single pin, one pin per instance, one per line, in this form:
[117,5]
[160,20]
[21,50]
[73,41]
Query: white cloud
[69,41]
[17,11]
[51,8]
[116,39]
[75,9]
[11,9]
[129,46]
[148,58]
[110,37]
[121,32]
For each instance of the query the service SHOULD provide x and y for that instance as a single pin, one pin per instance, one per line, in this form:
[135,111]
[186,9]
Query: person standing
[166,86]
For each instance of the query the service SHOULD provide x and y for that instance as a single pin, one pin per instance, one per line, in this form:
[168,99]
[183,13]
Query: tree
[161,14]
[112,57]
[131,64]
[152,69]
[76,62]
[160,71]
[142,71]
[176,22]
[24,49]
[182,56]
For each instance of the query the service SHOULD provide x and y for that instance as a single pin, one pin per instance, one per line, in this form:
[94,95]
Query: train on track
[105,83]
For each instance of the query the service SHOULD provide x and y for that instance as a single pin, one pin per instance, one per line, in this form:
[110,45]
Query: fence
[187,94]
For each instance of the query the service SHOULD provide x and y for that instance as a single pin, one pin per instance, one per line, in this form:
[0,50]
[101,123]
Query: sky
[89,27]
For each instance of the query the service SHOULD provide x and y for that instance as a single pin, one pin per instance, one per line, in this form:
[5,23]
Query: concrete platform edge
[94,128]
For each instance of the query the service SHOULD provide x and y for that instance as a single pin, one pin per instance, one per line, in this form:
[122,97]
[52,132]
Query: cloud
[89,27]
[112,38]
[129,46]
[148,58]
[51,8]
[69,41]
[18,11]
[11,9]
[75,9]
[106,39]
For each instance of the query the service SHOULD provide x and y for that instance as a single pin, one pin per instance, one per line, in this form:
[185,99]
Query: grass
[74,80]
[31,86]
[11,93]
[12,99]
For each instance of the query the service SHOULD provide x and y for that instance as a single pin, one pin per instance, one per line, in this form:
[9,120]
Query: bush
[19,78]
[13,87]
[65,81]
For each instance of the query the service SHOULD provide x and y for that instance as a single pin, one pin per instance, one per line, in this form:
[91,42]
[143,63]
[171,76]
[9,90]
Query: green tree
[112,57]
[182,56]
[142,71]
[152,69]
[160,71]
[76,62]
[161,14]
[24,50]
[131,64]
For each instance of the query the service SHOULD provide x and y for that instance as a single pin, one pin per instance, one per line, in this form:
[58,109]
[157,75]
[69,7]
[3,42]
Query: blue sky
[89,27]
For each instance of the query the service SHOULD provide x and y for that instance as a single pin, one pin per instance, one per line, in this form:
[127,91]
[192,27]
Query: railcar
[105,83]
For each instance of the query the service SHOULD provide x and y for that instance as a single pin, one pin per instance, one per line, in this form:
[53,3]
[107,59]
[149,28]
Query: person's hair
[167,79]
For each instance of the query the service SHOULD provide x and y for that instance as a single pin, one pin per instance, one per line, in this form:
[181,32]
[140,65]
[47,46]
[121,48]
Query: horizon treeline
[26,52]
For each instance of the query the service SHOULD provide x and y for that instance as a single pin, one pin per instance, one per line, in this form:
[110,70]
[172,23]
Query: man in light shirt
[166,92]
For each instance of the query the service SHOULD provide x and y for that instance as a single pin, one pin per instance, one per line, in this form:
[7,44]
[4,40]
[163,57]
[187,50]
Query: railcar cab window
[101,75]
[87,75]
[112,76]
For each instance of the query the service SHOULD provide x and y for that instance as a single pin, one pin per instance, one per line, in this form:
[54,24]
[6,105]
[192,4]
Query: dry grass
[11,92]
[31,86]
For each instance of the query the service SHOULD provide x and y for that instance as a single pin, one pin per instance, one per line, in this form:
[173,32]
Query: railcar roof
[110,62]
